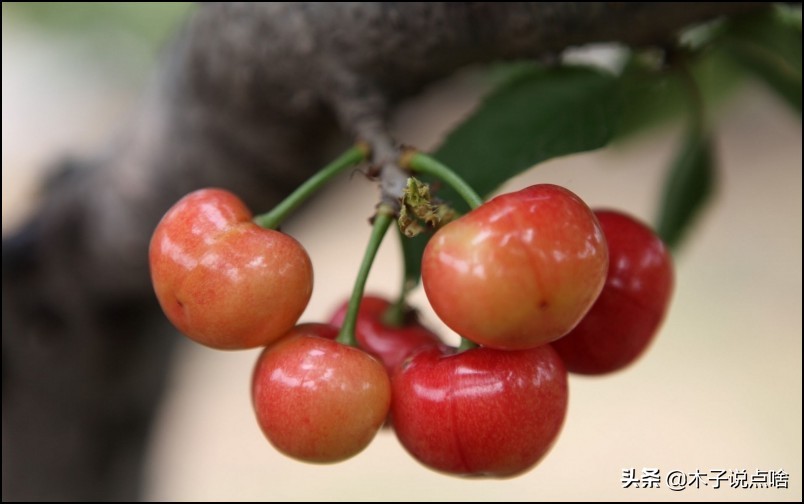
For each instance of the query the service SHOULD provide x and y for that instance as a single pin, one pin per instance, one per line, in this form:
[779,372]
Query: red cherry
[627,314]
[481,412]
[317,400]
[391,345]
[222,280]
[519,271]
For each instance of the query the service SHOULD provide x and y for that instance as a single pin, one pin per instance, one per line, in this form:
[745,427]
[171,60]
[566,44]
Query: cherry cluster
[535,282]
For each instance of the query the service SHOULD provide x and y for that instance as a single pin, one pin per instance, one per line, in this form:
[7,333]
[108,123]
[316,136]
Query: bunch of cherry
[534,281]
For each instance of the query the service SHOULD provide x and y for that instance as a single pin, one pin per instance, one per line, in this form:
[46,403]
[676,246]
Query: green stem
[425,164]
[394,315]
[466,345]
[272,219]
[382,221]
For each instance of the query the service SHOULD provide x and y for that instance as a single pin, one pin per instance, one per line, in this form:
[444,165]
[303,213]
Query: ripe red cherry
[627,314]
[519,271]
[481,412]
[224,281]
[317,400]
[391,345]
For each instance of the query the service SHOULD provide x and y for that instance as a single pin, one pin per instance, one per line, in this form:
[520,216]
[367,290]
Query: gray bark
[253,98]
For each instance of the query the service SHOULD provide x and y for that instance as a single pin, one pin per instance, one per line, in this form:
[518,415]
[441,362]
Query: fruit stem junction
[382,221]
[466,344]
[422,163]
[353,156]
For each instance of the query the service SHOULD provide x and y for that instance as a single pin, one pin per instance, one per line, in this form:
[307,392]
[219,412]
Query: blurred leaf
[652,96]
[688,186]
[697,37]
[769,46]
[538,114]
[789,14]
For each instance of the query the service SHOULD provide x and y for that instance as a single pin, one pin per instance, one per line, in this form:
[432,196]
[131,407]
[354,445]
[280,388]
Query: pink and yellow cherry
[390,344]
[222,280]
[629,311]
[519,271]
[317,400]
[482,412]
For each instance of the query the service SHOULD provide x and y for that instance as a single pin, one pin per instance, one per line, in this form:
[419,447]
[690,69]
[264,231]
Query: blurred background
[719,390]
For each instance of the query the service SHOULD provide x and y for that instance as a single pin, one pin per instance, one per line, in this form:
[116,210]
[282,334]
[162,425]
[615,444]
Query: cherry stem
[466,344]
[382,221]
[422,163]
[353,156]
[395,314]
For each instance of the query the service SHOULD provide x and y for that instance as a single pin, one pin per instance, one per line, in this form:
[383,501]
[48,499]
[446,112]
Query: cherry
[481,412]
[317,400]
[627,314]
[222,280]
[519,271]
[390,344]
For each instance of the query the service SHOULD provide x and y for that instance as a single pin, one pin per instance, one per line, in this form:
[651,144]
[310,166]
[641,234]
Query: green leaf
[769,46]
[653,96]
[688,186]
[789,14]
[536,115]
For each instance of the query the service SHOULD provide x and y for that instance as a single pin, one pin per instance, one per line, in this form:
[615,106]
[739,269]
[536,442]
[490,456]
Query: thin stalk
[272,219]
[382,221]
[423,163]
[394,315]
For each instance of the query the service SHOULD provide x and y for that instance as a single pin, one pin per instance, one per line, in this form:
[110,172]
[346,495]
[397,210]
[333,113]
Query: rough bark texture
[251,98]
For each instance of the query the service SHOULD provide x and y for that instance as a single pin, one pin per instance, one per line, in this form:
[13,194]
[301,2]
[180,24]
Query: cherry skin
[222,280]
[317,400]
[391,345]
[482,412]
[626,316]
[519,271]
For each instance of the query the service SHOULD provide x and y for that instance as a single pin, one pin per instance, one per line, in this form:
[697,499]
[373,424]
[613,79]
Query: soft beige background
[720,389]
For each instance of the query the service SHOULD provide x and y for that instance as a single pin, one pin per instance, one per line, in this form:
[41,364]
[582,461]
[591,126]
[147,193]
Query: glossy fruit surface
[390,344]
[317,400]
[222,280]
[630,309]
[481,412]
[519,271]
